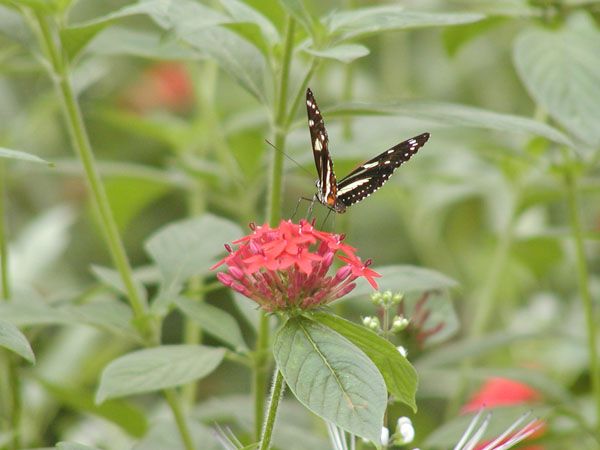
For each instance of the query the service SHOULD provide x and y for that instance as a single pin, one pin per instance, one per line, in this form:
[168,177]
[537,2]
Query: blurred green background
[177,117]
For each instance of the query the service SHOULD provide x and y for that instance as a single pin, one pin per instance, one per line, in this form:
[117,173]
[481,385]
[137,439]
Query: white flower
[405,433]
[385,436]
[468,442]
[399,323]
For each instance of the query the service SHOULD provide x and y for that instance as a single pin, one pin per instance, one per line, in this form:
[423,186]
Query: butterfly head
[329,199]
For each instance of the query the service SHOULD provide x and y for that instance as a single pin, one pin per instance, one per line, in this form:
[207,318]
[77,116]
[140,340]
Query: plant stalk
[13,400]
[4,281]
[486,298]
[184,431]
[276,394]
[274,216]
[584,286]
[81,144]
[276,181]
[260,367]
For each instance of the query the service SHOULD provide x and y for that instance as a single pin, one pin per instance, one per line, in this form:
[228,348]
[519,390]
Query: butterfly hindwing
[372,174]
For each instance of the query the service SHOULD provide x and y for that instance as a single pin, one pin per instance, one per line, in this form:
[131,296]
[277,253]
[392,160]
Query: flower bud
[397,298]
[387,297]
[225,278]
[376,298]
[236,272]
[372,323]
[385,436]
[399,323]
[405,433]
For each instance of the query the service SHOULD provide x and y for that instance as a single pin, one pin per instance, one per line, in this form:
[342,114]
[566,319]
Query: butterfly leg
[310,208]
[311,200]
[327,217]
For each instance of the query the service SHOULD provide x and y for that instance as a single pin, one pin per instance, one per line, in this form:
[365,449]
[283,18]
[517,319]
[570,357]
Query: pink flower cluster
[285,268]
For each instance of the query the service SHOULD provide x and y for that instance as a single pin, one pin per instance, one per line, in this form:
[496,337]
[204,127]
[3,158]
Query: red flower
[164,85]
[286,267]
[504,392]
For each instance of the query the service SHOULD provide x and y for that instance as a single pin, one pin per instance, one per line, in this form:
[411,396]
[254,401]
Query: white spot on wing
[353,185]
[368,166]
[318,145]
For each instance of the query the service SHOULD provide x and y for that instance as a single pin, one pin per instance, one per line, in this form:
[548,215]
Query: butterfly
[362,181]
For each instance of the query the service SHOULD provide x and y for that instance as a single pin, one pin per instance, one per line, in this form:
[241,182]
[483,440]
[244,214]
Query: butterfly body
[362,181]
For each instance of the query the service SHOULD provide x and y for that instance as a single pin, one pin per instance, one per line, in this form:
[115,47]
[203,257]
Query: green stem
[192,332]
[5,292]
[80,142]
[485,299]
[274,216]
[261,361]
[584,285]
[14,403]
[276,394]
[184,431]
[276,181]
[301,93]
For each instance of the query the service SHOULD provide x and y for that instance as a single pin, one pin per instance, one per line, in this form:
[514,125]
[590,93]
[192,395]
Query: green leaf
[112,278]
[561,71]
[400,377]
[144,44]
[12,339]
[406,279]
[167,13]
[73,446]
[170,130]
[157,368]
[471,348]
[331,377]
[297,9]
[129,196]
[164,434]
[345,53]
[236,56]
[371,20]
[456,38]
[13,26]
[189,247]
[29,313]
[455,115]
[126,416]
[109,315]
[243,13]
[16,154]
[43,6]
[213,321]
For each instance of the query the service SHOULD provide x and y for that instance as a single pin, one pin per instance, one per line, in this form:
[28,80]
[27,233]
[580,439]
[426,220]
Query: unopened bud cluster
[386,299]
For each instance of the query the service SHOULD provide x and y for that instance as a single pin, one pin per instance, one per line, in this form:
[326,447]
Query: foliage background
[503,199]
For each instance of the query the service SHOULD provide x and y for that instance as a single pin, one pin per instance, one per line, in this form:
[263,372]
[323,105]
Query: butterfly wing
[320,146]
[372,174]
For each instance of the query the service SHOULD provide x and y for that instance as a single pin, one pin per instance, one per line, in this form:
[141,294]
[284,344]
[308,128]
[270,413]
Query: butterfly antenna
[290,158]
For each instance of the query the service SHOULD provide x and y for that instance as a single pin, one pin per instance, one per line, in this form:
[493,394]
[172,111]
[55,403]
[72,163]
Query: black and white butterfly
[362,181]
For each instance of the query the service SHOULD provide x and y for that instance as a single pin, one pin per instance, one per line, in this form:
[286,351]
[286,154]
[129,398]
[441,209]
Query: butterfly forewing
[319,142]
[372,174]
